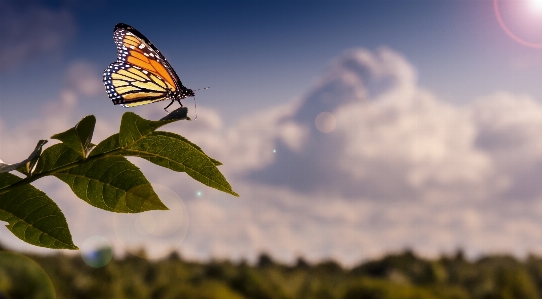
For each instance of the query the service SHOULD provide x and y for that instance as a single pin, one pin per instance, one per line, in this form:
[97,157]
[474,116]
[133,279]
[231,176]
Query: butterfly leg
[180,102]
[172,101]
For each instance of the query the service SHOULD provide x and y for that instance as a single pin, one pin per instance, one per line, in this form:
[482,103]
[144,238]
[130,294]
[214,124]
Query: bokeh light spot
[325,122]
[146,223]
[160,232]
[96,251]
[22,275]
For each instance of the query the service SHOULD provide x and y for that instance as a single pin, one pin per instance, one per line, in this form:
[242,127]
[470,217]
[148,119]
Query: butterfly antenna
[195,110]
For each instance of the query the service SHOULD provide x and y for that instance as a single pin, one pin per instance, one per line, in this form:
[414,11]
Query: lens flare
[509,32]
[96,251]
[536,5]
[325,122]
[160,232]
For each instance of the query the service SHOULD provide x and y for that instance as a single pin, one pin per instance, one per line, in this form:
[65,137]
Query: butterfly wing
[141,74]
[130,85]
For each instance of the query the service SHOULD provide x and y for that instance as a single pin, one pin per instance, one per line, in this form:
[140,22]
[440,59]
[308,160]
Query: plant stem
[31,178]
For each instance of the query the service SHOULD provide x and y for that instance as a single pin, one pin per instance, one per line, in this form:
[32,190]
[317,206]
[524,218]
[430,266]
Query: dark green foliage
[138,138]
[132,277]
[255,284]
[21,277]
[32,216]
[112,183]
[504,277]
[402,267]
[56,157]
[99,175]
[301,263]
[265,260]
[78,138]
[381,289]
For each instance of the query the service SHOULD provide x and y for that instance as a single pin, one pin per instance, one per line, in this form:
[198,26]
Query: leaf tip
[164,208]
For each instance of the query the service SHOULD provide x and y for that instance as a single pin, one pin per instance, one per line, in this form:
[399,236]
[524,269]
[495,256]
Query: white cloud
[400,169]
[434,176]
[392,139]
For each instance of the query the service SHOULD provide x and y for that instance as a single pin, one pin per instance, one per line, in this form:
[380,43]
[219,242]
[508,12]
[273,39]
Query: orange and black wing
[141,74]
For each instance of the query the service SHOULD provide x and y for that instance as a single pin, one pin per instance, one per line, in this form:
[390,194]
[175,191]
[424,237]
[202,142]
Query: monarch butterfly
[141,75]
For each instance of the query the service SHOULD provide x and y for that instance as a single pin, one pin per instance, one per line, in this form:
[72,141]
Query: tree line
[399,276]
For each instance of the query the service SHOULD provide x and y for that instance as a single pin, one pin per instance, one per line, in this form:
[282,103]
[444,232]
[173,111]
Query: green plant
[98,174]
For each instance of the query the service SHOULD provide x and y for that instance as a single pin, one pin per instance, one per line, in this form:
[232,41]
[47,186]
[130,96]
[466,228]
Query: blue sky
[428,137]
[256,54]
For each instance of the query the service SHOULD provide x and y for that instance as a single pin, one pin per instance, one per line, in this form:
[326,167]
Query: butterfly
[141,75]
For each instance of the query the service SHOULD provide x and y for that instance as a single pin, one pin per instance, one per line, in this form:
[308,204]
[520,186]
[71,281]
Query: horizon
[141,253]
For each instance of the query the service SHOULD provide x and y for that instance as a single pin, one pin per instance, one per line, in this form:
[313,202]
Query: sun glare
[536,5]
[537,44]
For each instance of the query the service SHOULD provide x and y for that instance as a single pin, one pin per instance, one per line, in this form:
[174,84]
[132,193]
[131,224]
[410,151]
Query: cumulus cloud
[392,139]
[27,29]
[400,168]
[508,129]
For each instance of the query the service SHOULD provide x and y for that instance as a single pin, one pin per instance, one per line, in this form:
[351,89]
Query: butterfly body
[141,75]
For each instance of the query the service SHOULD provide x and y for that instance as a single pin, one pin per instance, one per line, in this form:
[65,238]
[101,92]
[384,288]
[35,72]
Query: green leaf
[32,216]
[55,157]
[215,162]
[107,145]
[78,138]
[8,180]
[133,127]
[112,183]
[100,175]
[195,146]
[111,143]
[176,153]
